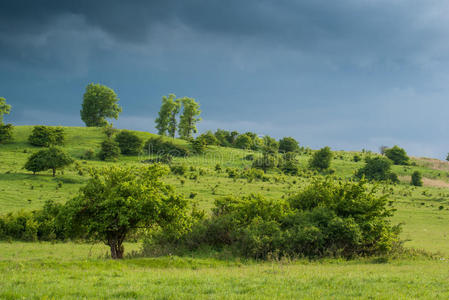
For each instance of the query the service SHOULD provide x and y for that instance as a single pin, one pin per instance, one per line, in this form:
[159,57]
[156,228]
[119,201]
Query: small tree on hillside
[269,145]
[129,143]
[189,117]
[288,144]
[99,102]
[52,158]
[321,160]
[116,201]
[397,155]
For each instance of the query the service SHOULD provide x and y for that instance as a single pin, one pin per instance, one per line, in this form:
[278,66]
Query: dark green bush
[159,146]
[209,138]
[110,151]
[326,218]
[45,136]
[416,179]
[6,131]
[178,169]
[128,142]
[288,144]
[321,159]
[266,162]
[377,168]
[198,145]
[243,141]
[18,226]
[397,155]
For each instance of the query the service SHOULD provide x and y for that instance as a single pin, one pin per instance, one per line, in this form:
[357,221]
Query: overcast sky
[350,74]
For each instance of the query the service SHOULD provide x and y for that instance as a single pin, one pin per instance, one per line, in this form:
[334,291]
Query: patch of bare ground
[427,182]
[432,163]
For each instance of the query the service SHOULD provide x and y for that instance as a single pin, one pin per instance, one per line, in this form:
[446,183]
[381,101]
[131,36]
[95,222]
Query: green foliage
[289,164]
[116,201]
[166,121]
[109,130]
[189,117]
[327,218]
[99,102]
[45,136]
[269,145]
[52,158]
[416,179]
[397,155]
[377,168]
[209,138]
[109,151]
[356,158]
[226,138]
[18,226]
[266,162]
[5,109]
[288,144]
[243,141]
[321,159]
[129,143]
[159,146]
[178,169]
[199,145]
[6,131]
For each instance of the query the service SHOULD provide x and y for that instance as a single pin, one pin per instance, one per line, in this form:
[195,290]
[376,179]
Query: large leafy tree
[397,155]
[166,121]
[5,109]
[288,144]
[52,158]
[116,201]
[189,117]
[99,102]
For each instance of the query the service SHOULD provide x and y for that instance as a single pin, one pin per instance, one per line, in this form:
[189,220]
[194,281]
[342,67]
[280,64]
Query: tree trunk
[54,172]
[117,249]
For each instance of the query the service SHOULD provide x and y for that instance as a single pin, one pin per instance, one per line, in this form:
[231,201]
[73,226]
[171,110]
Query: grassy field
[424,211]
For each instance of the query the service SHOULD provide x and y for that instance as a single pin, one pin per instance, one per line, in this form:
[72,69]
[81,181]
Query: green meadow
[82,270]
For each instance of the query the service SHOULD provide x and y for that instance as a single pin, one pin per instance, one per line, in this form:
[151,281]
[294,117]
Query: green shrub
[416,179]
[178,169]
[159,146]
[128,142]
[397,155]
[110,151]
[198,145]
[266,162]
[321,160]
[6,131]
[209,138]
[377,168]
[88,154]
[243,141]
[45,136]
[356,158]
[18,226]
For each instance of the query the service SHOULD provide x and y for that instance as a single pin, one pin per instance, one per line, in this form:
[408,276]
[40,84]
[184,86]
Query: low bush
[397,155]
[45,136]
[128,142]
[159,146]
[377,168]
[321,160]
[110,151]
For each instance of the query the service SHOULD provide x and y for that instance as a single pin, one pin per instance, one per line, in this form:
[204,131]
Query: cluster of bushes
[378,169]
[45,136]
[46,224]
[6,131]
[327,218]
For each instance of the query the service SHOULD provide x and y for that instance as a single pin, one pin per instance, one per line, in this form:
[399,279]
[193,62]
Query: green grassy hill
[423,210]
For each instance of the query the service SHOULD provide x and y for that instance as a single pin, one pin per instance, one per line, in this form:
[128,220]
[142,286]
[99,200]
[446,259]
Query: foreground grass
[59,276]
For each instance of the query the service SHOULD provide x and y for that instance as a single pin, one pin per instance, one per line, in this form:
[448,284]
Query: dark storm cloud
[326,72]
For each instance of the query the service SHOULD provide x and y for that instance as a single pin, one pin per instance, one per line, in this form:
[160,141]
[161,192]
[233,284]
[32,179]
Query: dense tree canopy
[129,143]
[397,155]
[45,136]
[321,160]
[99,102]
[288,144]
